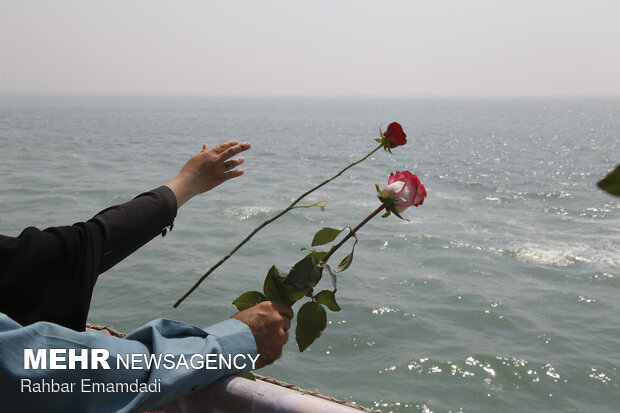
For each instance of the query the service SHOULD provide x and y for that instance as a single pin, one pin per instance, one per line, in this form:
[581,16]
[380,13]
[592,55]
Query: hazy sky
[475,47]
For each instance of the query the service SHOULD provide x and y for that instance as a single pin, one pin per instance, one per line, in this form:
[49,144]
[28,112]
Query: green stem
[268,221]
[351,233]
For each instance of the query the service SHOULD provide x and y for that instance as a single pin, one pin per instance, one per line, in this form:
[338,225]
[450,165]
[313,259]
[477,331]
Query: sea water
[500,293]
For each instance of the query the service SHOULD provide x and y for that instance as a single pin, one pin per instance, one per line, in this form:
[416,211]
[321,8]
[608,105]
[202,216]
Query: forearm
[181,187]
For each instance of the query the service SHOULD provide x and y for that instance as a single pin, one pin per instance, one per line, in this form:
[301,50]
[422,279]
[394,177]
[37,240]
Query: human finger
[223,146]
[283,309]
[234,150]
[233,174]
[286,323]
[204,148]
[233,163]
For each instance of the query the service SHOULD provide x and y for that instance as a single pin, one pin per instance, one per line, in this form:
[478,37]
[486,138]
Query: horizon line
[337,95]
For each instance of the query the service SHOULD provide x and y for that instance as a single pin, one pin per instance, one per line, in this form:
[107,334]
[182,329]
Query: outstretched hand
[207,169]
[269,322]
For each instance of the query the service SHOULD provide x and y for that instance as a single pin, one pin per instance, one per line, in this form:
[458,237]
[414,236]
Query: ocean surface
[500,294]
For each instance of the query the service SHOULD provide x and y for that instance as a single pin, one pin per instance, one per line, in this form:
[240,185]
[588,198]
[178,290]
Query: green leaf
[346,262]
[311,321]
[325,235]
[317,255]
[328,299]
[398,215]
[379,140]
[293,293]
[249,376]
[611,183]
[273,286]
[249,299]
[305,273]
[387,214]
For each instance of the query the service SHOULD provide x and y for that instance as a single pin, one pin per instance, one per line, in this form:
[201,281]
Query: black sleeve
[129,226]
[49,275]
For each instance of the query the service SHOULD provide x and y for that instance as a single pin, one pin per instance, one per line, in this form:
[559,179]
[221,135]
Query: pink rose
[407,190]
[395,135]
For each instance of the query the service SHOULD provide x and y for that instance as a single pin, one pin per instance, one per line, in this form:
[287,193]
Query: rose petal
[395,135]
[392,178]
[407,188]
[394,188]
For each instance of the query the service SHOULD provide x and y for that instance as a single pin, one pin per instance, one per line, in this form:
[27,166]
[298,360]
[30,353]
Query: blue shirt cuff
[236,338]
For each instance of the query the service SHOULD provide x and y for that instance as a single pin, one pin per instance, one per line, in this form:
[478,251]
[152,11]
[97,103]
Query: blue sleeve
[175,350]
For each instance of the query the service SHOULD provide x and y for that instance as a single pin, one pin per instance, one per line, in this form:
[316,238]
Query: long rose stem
[351,233]
[268,221]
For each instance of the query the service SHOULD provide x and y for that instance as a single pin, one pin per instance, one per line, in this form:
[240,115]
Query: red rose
[395,135]
[406,189]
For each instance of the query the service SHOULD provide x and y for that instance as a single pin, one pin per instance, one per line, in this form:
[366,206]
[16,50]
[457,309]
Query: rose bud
[406,190]
[395,135]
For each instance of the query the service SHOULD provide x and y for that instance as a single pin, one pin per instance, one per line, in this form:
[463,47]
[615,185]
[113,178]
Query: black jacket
[49,275]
